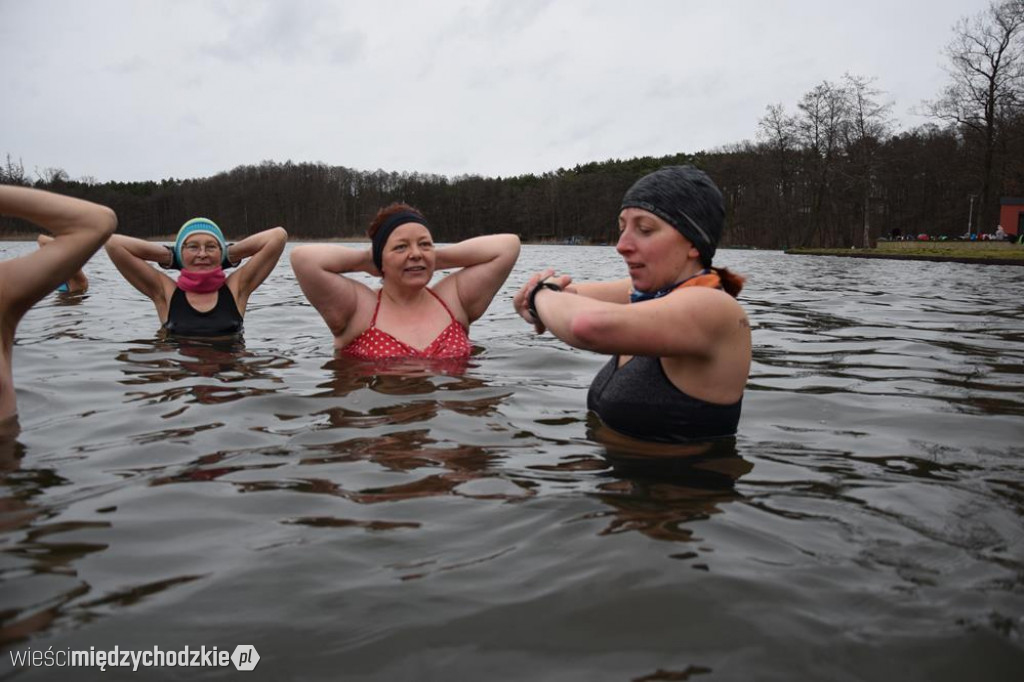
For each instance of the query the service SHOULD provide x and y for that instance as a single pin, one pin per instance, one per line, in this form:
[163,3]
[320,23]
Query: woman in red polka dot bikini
[405,318]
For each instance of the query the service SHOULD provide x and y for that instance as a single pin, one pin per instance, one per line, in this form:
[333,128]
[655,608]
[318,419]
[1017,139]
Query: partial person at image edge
[79,229]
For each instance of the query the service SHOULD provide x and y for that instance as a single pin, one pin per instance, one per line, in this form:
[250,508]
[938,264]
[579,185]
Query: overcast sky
[148,89]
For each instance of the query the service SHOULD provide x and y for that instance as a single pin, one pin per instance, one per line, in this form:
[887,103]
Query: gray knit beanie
[688,200]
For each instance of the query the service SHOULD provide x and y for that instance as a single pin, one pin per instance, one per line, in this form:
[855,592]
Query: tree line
[832,171]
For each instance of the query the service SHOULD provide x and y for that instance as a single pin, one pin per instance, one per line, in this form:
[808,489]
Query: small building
[1011,215]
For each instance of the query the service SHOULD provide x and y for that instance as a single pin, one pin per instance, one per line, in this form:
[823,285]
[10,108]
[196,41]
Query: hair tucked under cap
[196,226]
[381,234]
[688,200]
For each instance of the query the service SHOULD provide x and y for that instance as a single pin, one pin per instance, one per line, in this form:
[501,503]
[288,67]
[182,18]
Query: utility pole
[970,217]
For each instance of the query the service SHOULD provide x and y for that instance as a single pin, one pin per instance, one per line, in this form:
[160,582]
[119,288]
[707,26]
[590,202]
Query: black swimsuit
[184,320]
[638,400]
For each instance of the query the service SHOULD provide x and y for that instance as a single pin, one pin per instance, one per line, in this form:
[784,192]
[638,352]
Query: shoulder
[705,298]
[704,315]
[713,307]
[447,292]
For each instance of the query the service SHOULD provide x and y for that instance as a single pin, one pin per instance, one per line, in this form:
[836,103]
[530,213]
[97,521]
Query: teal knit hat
[199,225]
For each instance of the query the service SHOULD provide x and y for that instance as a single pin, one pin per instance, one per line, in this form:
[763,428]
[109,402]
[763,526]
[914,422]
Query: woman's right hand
[521,301]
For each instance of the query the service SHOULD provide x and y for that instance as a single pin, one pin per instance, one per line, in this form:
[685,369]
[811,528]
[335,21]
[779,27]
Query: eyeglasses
[196,248]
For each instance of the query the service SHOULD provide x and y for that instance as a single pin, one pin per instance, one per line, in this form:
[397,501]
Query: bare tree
[820,130]
[868,127]
[51,176]
[13,173]
[778,136]
[986,83]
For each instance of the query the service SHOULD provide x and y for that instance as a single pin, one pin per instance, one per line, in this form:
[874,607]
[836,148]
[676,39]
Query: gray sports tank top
[638,400]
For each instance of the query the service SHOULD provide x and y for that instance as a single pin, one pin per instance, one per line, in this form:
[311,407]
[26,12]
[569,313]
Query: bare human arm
[132,256]
[79,228]
[689,323]
[263,250]
[485,264]
[615,291]
[77,283]
[318,268]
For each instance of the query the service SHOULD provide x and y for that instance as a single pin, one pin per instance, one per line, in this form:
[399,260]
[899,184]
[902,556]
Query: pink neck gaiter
[201,282]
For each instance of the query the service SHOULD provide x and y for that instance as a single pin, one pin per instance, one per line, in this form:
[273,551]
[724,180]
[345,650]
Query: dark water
[867,525]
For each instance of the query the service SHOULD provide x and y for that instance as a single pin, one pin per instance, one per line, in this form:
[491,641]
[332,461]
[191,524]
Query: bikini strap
[373,322]
[441,301]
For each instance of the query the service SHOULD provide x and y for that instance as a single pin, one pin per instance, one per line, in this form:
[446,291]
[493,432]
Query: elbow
[511,244]
[302,259]
[589,330]
[507,250]
[105,221]
[278,240]
[298,257]
[113,244]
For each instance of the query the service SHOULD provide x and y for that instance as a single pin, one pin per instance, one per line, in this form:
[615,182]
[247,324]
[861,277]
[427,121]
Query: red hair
[385,213]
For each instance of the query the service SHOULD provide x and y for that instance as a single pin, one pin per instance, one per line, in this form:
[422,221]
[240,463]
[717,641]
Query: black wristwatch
[531,300]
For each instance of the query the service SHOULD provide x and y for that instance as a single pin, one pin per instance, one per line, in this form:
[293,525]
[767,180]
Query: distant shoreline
[1012,256]
[169,239]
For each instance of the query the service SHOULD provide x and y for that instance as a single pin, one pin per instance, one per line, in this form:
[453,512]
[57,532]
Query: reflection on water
[400,376]
[173,364]
[67,298]
[471,521]
[178,358]
[437,386]
[662,511]
[705,464]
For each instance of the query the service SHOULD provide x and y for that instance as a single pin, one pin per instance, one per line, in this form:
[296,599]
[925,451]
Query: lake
[465,524]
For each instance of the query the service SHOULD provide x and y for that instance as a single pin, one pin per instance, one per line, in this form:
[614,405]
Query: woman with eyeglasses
[203,301]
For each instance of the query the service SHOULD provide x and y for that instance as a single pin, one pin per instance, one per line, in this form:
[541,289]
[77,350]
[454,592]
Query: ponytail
[732,283]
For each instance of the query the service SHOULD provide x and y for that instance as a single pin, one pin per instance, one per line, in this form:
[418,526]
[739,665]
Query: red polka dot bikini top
[374,344]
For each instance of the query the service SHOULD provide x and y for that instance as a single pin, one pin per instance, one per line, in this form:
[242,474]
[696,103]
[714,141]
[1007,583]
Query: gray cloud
[146,90]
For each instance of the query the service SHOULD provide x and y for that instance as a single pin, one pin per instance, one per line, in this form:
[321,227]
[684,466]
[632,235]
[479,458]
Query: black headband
[380,237]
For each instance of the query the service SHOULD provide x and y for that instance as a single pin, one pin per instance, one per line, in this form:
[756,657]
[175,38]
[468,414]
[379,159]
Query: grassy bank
[996,253]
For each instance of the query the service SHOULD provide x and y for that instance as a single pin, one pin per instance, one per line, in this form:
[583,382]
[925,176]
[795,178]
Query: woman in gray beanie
[679,341]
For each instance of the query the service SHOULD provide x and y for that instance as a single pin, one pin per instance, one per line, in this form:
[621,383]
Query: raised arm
[317,268]
[485,263]
[132,257]
[77,283]
[615,291]
[263,250]
[79,228]
[691,322]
